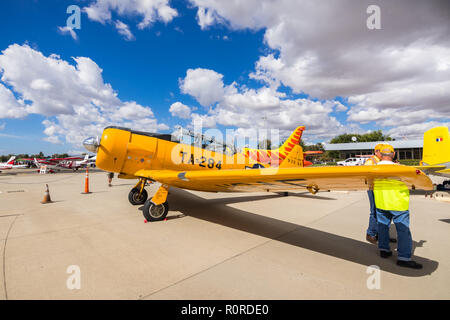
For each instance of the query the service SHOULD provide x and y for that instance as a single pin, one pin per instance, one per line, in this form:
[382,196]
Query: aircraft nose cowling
[112,149]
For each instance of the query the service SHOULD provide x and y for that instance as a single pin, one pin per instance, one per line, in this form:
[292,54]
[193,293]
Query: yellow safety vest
[391,195]
[371,161]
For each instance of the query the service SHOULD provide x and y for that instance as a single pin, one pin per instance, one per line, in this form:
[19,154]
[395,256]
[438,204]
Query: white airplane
[51,166]
[10,164]
[74,164]
[91,161]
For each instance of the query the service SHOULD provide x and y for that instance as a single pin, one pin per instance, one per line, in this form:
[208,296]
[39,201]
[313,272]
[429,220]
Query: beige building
[406,149]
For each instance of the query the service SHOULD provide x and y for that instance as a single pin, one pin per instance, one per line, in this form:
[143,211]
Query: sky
[333,66]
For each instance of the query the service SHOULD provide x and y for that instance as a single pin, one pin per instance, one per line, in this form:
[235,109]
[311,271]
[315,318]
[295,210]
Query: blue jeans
[372,230]
[401,221]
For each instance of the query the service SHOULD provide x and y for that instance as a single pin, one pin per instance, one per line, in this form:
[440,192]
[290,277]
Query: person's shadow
[217,211]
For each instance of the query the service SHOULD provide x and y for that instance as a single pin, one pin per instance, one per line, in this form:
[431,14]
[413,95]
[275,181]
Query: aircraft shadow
[361,252]
[309,196]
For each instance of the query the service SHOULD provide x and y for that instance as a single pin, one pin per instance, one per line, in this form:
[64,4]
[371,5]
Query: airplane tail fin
[36,163]
[11,160]
[436,146]
[289,154]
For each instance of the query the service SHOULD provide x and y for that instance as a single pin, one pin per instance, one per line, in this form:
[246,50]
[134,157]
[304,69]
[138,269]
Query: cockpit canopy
[189,137]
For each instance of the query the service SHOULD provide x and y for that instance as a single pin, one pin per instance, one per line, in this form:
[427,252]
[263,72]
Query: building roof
[398,144]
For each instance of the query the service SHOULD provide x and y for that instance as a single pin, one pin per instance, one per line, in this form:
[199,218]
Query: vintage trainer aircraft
[207,165]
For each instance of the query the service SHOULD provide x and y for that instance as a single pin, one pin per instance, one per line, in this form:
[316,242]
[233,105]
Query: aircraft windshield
[189,137]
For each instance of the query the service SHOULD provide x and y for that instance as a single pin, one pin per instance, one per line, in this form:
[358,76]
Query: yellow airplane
[202,165]
[436,153]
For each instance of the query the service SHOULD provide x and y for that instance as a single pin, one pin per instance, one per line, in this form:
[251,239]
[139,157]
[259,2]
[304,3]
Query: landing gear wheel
[135,198]
[153,212]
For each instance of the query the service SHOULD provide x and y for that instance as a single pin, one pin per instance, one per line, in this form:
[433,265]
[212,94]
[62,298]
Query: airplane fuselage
[156,152]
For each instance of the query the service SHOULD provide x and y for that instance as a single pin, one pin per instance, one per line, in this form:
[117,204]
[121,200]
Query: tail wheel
[153,212]
[135,198]
[446,184]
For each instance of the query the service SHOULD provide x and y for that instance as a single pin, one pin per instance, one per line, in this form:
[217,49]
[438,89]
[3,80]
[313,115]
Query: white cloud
[150,10]
[339,107]
[51,84]
[40,84]
[206,17]
[265,107]
[203,84]
[204,120]
[393,117]
[325,50]
[75,97]
[68,30]
[124,30]
[414,131]
[10,107]
[180,110]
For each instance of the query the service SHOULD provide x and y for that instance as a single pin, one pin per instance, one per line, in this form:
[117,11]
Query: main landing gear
[156,208]
[153,212]
[138,195]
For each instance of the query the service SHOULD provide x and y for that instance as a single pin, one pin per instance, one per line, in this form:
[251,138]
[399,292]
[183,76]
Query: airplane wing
[278,179]
[434,169]
[65,159]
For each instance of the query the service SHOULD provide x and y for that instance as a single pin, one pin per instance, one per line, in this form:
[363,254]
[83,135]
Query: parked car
[352,162]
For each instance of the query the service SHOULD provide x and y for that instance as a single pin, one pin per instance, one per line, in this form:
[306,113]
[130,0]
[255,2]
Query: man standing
[372,230]
[392,203]
[110,177]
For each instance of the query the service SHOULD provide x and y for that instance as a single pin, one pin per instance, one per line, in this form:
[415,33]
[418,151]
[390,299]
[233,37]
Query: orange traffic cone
[86,182]
[46,196]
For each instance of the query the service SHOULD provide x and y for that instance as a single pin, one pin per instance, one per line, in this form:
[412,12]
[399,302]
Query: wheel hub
[137,196]
[157,211]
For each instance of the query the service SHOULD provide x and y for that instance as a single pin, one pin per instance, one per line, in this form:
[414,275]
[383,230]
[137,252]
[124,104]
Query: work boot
[409,264]
[385,254]
[372,239]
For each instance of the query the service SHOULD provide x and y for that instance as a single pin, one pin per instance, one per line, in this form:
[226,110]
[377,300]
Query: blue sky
[151,70]
[146,70]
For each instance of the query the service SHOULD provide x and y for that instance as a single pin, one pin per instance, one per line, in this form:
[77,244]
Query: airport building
[405,149]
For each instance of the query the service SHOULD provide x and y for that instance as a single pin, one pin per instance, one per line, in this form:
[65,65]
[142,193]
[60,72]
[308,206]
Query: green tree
[314,147]
[265,144]
[60,155]
[367,137]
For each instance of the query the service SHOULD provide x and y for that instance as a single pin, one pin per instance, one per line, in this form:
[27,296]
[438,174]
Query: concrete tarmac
[212,246]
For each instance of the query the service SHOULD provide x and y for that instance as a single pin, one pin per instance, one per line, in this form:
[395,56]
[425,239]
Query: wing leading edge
[278,179]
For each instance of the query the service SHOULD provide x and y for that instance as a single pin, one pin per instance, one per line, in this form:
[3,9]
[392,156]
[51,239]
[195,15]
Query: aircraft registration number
[202,161]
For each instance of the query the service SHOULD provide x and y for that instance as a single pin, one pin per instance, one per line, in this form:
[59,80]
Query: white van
[352,162]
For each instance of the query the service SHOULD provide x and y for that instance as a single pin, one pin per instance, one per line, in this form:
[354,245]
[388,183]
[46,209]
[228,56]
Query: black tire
[154,212]
[134,197]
